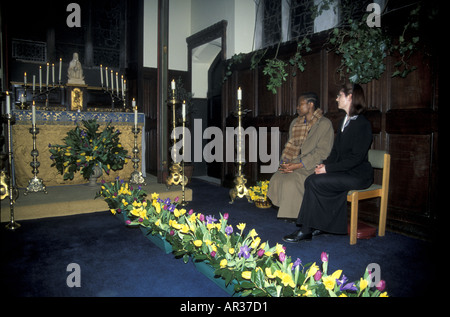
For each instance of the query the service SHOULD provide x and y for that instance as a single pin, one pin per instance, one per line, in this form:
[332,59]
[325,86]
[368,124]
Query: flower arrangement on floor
[258,194]
[253,266]
[85,148]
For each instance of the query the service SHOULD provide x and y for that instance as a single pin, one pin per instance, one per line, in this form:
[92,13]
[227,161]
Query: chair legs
[354,218]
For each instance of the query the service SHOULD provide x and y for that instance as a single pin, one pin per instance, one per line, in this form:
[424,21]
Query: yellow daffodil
[279,248]
[329,282]
[255,243]
[113,211]
[223,263]
[247,275]
[198,243]
[231,250]
[252,233]
[312,270]
[363,284]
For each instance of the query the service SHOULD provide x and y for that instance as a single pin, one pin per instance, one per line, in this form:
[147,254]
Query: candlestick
[173,84]
[135,117]
[136,176]
[112,80]
[53,74]
[183,111]
[25,78]
[117,82]
[239,94]
[34,84]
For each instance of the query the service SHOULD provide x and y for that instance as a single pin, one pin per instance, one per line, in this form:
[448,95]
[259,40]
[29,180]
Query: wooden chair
[381,160]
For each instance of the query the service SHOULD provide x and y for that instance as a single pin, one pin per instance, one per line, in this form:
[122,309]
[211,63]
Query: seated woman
[310,140]
[324,206]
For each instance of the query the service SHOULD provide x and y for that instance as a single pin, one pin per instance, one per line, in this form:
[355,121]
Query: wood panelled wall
[403,113]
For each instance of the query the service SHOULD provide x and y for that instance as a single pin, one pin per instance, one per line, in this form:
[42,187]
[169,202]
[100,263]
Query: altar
[53,127]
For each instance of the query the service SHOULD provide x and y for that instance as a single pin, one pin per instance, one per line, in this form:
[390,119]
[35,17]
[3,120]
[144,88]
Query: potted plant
[89,151]
[258,194]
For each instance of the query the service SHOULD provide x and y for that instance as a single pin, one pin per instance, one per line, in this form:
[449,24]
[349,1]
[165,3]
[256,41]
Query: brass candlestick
[136,176]
[11,190]
[35,184]
[240,189]
[183,184]
[176,176]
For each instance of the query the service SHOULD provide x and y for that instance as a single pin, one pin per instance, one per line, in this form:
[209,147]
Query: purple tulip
[261,252]
[282,256]
[317,276]
[213,254]
[190,212]
[225,216]
[324,257]
[128,221]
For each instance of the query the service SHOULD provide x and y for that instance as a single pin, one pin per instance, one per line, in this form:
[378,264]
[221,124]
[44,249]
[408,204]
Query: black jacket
[350,150]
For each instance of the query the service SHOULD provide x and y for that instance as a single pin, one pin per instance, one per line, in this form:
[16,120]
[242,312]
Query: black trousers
[324,204]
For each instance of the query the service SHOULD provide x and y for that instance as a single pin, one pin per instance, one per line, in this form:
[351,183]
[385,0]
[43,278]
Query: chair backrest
[376,158]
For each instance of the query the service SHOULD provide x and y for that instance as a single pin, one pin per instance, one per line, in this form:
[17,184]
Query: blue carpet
[116,261]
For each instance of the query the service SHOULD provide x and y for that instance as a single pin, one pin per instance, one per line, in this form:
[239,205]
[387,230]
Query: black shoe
[297,236]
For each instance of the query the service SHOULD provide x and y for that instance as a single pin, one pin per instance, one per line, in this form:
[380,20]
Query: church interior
[146,67]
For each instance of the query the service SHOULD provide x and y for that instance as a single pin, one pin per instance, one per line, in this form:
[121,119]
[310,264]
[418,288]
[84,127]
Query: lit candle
[101,74]
[125,85]
[48,66]
[25,78]
[106,75]
[112,80]
[33,114]
[135,112]
[53,74]
[123,91]
[8,103]
[172,84]
[239,93]
[60,67]
[183,112]
[117,82]
[40,78]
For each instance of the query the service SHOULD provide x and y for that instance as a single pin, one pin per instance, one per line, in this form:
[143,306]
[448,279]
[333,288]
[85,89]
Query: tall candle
[40,78]
[53,74]
[123,91]
[8,103]
[48,66]
[25,78]
[135,113]
[183,111]
[34,83]
[106,76]
[172,84]
[60,67]
[239,94]
[101,74]
[117,82]
[112,80]
[33,114]
[125,85]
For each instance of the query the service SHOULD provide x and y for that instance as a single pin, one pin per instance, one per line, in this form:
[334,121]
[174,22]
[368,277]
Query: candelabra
[136,176]
[10,189]
[176,176]
[114,93]
[35,184]
[240,189]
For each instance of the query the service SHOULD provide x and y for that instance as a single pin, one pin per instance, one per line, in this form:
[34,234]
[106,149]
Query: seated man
[310,141]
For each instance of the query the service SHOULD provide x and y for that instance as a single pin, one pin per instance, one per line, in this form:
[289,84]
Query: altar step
[75,199]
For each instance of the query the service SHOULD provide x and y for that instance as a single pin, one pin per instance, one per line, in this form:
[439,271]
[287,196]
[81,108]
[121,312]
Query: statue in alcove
[75,71]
